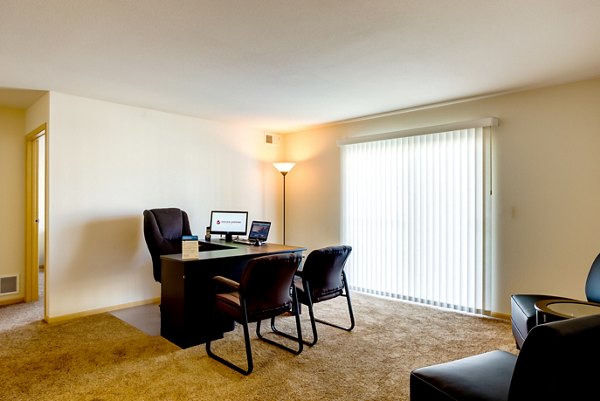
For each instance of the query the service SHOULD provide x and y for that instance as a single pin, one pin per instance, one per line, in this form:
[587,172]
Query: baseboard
[505,316]
[62,318]
[12,301]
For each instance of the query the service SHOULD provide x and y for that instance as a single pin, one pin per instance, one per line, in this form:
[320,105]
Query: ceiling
[283,65]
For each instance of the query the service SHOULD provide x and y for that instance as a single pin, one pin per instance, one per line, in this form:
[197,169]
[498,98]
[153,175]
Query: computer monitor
[228,223]
[259,231]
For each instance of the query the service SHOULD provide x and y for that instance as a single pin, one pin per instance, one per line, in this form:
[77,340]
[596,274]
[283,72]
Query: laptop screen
[259,230]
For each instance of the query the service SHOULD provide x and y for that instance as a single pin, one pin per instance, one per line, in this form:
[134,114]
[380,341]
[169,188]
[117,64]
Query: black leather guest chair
[323,278]
[555,364]
[265,291]
[163,229]
[522,306]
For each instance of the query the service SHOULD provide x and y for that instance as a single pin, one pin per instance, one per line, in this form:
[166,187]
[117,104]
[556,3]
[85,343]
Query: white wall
[109,162]
[12,197]
[546,203]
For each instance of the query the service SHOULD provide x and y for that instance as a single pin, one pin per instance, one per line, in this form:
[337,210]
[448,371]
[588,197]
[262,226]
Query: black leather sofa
[555,363]
[522,306]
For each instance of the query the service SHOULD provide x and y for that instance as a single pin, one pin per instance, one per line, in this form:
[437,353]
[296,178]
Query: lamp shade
[284,167]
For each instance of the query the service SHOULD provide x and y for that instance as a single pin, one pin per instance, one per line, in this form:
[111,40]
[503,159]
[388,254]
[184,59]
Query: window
[414,211]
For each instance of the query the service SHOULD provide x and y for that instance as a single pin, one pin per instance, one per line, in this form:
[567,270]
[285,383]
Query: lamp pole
[284,168]
[284,173]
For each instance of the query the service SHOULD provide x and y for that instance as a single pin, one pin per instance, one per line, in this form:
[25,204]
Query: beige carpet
[102,358]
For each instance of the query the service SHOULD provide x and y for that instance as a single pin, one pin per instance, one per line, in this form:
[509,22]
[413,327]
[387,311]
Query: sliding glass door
[414,211]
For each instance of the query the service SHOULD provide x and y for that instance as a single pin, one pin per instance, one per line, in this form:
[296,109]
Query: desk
[550,310]
[187,289]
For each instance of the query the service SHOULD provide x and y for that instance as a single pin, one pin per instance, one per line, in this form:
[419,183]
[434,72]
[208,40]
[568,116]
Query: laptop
[259,231]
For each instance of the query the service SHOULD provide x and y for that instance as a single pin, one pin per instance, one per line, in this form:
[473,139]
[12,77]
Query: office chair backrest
[592,284]
[556,361]
[323,271]
[266,282]
[163,229]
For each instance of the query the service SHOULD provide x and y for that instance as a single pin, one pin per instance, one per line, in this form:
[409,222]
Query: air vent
[272,139]
[9,284]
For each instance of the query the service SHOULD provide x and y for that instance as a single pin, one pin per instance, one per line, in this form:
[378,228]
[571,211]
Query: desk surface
[218,249]
[566,308]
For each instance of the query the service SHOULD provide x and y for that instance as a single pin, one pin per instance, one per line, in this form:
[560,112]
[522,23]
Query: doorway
[36,268]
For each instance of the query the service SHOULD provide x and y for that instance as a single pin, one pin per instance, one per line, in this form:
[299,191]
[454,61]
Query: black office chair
[323,278]
[163,229]
[265,291]
[522,306]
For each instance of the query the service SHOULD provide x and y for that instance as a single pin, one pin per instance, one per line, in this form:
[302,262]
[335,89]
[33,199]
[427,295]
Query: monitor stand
[228,238]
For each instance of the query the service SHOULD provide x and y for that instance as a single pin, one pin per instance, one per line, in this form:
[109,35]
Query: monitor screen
[259,230]
[228,223]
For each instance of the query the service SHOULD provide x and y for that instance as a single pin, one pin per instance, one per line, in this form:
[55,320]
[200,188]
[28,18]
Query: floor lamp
[284,168]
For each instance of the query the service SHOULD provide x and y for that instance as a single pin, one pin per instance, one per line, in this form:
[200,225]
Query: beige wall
[109,162]
[106,164]
[38,113]
[12,197]
[546,175]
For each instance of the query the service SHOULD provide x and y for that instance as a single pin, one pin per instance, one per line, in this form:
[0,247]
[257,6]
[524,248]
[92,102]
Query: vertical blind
[413,211]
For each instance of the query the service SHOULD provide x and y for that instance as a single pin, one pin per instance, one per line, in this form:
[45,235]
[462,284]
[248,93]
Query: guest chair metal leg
[298,338]
[313,320]
[350,312]
[248,349]
[297,313]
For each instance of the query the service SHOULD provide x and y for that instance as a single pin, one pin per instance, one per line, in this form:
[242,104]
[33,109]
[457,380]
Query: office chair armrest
[227,282]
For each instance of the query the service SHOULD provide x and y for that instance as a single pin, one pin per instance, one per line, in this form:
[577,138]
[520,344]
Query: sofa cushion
[485,376]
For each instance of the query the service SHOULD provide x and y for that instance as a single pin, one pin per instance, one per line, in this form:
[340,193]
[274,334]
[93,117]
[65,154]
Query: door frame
[32,195]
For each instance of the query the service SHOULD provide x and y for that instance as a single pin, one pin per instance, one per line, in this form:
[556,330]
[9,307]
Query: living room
[108,160]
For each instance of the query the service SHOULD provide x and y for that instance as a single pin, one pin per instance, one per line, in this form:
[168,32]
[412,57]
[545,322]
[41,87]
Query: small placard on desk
[189,247]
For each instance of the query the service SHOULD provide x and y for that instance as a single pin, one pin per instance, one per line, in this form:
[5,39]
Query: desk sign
[189,247]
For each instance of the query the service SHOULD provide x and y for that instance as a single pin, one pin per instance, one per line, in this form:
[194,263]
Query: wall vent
[272,139]
[9,284]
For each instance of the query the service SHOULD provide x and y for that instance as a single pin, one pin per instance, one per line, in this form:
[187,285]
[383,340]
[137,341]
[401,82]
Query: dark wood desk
[187,290]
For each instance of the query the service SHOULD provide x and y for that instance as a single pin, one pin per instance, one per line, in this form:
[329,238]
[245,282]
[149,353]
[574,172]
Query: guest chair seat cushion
[480,377]
[318,297]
